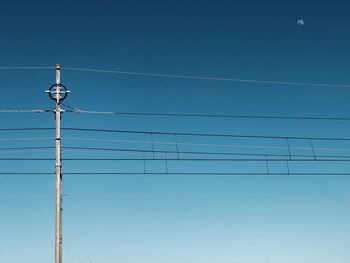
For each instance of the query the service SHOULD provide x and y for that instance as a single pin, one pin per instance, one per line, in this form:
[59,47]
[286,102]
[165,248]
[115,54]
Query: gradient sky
[281,219]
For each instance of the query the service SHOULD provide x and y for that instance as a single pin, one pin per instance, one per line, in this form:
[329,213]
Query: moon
[300,22]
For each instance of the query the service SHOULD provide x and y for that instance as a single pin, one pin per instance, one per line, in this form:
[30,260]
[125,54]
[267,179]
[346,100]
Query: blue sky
[278,219]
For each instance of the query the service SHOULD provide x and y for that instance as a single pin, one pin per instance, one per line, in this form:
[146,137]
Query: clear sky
[221,219]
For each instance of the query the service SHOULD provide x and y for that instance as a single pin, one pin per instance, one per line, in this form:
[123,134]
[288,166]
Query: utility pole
[58,169]
[58,93]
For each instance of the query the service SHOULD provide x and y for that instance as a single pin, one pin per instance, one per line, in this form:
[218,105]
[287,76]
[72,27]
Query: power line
[195,77]
[25,159]
[238,80]
[26,173]
[75,110]
[26,148]
[207,144]
[219,174]
[27,139]
[186,198]
[172,143]
[174,134]
[180,160]
[174,197]
[27,129]
[25,196]
[136,151]
[310,159]
[194,174]
[24,67]
[206,134]
[24,111]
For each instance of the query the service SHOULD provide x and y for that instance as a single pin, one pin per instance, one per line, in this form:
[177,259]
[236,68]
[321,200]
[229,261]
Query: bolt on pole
[58,93]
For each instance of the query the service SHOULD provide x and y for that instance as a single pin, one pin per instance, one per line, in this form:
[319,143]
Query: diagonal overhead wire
[197,77]
[164,75]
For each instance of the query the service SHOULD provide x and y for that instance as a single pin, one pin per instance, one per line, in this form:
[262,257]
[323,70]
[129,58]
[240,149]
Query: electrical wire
[24,111]
[27,129]
[23,67]
[27,139]
[194,77]
[75,110]
[12,196]
[310,159]
[238,80]
[286,159]
[179,133]
[195,174]
[187,198]
[213,174]
[170,133]
[179,160]
[174,197]
[25,159]
[207,144]
[27,173]
[205,134]
[26,148]
[137,151]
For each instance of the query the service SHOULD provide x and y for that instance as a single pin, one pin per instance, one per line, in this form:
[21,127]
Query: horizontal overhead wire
[25,159]
[24,67]
[27,139]
[178,198]
[206,144]
[210,173]
[179,133]
[310,159]
[24,111]
[264,155]
[195,174]
[196,198]
[10,196]
[26,149]
[27,173]
[205,134]
[75,110]
[176,133]
[27,129]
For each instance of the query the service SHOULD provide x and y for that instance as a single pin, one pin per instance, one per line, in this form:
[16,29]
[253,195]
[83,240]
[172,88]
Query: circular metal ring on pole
[63,92]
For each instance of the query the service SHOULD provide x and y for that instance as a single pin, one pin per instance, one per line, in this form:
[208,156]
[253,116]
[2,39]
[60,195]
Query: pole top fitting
[58,66]
[58,94]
